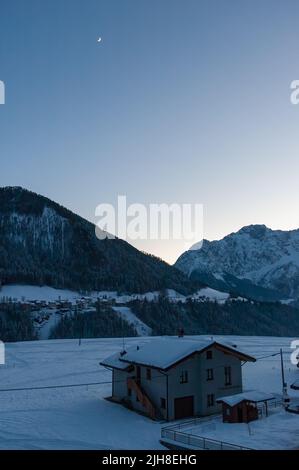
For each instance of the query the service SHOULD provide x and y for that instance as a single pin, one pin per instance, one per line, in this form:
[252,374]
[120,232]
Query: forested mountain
[103,323]
[15,323]
[43,243]
[234,317]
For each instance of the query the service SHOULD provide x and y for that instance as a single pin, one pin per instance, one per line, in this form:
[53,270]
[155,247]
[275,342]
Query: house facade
[174,378]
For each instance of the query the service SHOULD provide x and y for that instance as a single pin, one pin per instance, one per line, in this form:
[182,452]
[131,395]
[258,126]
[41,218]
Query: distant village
[47,313]
[43,311]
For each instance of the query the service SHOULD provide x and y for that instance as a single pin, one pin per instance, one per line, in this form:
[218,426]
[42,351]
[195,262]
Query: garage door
[183,407]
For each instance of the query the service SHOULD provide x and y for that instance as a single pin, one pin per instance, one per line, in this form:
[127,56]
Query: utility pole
[81,331]
[282,370]
[123,335]
[285,396]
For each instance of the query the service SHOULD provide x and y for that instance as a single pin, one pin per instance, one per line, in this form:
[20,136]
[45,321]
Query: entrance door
[183,407]
[240,414]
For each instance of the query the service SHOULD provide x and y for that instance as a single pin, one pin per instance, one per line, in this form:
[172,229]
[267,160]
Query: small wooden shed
[243,407]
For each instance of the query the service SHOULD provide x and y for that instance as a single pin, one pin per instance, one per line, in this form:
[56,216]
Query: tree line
[234,317]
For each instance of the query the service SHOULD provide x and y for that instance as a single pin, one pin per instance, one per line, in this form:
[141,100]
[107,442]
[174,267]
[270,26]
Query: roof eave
[109,366]
[240,355]
[136,363]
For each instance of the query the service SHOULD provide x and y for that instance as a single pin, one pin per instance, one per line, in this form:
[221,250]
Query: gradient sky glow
[182,101]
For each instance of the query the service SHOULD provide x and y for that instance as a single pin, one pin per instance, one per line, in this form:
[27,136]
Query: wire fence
[198,442]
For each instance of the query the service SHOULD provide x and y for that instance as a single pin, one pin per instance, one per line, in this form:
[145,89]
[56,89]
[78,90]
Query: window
[149,374]
[210,374]
[209,355]
[210,400]
[184,377]
[228,375]
[163,403]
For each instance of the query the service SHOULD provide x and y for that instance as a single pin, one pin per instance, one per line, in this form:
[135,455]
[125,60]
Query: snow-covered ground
[278,431]
[80,417]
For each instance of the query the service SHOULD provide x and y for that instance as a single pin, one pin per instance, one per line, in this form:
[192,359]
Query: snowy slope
[80,417]
[269,258]
[141,328]
[210,294]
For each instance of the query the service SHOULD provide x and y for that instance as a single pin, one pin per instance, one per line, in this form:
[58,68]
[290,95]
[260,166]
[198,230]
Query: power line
[269,355]
[49,387]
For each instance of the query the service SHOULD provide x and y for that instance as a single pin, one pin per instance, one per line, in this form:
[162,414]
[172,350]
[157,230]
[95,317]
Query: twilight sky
[182,101]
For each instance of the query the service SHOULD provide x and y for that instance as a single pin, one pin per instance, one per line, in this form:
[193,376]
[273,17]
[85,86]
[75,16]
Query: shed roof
[253,396]
[163,353]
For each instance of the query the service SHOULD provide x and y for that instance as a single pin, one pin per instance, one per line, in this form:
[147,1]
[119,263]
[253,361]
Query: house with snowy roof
[174,378]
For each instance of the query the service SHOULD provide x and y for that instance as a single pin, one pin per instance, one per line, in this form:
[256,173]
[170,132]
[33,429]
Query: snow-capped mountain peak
[268,258]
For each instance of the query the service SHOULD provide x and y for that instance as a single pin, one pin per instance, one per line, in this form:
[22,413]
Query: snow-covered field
[80,417]
[277,432]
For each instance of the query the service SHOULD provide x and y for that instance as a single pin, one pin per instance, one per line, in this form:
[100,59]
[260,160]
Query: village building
[174,378]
